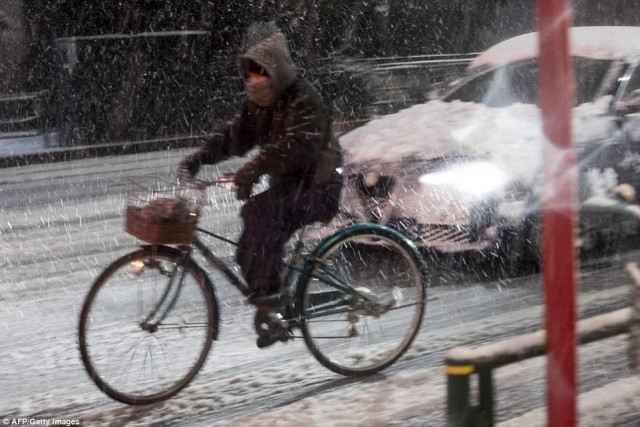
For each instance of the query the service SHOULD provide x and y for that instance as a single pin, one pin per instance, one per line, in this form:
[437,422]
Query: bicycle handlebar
[222,180]
[226,178]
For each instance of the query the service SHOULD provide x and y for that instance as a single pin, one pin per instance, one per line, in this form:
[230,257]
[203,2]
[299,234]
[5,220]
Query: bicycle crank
[272,325]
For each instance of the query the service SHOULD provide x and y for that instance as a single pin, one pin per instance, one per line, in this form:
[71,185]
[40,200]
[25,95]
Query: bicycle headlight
[137,265]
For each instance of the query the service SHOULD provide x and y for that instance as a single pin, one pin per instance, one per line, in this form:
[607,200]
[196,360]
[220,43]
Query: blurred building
[13,45]
[117,71]
[18,113]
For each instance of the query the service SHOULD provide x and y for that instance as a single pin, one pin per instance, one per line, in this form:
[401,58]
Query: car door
[598,139]
[628,110]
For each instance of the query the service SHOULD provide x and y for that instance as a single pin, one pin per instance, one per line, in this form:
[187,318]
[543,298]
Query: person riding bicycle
[284,116]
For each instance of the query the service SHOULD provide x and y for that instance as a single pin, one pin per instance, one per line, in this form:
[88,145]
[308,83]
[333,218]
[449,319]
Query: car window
[501,86]
[518,82]
[589,75]
[633,86]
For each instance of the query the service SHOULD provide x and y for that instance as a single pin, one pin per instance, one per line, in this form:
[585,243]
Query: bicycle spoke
[138,362]
[177,326]
[364,304]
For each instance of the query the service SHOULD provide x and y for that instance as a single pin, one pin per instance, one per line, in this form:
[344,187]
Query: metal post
[485,415]
[459,410]
[634,319]
[559,262]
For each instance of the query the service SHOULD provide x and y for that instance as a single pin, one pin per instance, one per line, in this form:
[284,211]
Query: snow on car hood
[511,136]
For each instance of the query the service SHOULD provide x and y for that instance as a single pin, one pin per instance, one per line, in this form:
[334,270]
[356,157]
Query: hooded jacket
[293,133]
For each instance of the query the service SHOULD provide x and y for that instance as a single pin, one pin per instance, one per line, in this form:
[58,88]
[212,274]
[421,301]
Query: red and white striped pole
[559,261]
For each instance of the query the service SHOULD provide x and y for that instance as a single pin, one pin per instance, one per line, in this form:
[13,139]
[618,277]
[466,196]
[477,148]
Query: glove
[188,168]
[184,175]
[245,178]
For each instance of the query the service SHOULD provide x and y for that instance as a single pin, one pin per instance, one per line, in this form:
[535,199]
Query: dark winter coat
[294,134]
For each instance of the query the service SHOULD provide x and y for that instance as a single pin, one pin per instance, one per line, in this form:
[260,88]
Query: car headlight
[474,179]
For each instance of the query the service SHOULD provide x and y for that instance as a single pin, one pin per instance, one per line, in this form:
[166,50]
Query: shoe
[266,341]
[271,328]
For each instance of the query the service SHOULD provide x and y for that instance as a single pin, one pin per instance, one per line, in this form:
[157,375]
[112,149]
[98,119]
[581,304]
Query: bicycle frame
[153,320]
[306,271]
[293,314]
[214,260]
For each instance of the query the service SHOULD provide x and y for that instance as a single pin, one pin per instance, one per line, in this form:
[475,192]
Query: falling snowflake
[600,181]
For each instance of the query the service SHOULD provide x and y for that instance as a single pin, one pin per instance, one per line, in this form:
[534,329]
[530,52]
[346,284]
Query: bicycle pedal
[278,320]
[270,323]
[271,328]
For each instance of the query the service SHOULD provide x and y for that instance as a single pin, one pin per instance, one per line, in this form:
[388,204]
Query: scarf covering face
[261,93]
[265,45]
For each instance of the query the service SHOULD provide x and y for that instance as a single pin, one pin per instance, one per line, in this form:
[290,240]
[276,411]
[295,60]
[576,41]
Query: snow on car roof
[590,42]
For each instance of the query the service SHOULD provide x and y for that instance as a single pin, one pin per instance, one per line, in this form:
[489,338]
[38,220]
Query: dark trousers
[270,219]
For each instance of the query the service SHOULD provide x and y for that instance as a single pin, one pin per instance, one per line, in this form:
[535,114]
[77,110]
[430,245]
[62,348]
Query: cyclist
[285,118]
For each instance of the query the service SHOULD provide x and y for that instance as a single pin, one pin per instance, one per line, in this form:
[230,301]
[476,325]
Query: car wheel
[526,255]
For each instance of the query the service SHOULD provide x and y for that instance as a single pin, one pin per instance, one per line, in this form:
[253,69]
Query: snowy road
[61,224]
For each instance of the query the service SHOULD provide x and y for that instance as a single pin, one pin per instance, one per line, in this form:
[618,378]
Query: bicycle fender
[382,230]
[371,228]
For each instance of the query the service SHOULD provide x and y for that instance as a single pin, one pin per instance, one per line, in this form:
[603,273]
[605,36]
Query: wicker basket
[163,213]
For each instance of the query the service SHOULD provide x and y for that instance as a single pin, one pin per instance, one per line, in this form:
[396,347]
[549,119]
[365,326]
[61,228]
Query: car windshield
[518,83]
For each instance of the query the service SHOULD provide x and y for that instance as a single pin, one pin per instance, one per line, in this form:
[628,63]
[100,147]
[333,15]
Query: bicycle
[150,318]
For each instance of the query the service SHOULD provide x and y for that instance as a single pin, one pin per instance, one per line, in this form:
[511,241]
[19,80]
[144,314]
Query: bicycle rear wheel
[147,325]
[366,326]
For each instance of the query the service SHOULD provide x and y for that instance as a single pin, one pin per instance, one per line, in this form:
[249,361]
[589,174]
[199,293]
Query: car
[464,172]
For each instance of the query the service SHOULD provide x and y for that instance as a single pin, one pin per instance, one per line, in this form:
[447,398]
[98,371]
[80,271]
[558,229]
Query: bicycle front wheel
[147,325]
[364,301]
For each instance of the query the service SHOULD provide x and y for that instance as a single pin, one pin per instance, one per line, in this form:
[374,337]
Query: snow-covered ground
[405,399]
[61,225]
